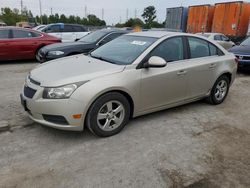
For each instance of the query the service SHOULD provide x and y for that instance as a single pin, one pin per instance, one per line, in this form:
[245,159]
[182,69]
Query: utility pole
[40,7]
[120,20]
[127,14]
[102,14]
[85,11]
[21,10]
[135,13]
[51,11]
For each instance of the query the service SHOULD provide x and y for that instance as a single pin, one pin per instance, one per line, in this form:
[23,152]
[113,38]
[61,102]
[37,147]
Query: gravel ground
[192,146]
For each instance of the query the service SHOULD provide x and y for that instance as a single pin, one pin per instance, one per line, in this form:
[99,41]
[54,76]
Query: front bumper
[37,108]
[42,56]
[243,65]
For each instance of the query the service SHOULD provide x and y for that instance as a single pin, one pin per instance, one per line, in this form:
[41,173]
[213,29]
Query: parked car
[66,32]
[19,43]
[84,45]
[242,53]
[132,75]
[39,27]
[219,38]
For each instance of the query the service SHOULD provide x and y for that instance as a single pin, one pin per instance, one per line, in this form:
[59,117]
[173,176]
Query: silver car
[221,39]
[133,75]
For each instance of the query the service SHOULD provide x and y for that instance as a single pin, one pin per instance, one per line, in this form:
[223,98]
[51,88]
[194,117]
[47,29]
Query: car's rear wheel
[108,115]
[220,90]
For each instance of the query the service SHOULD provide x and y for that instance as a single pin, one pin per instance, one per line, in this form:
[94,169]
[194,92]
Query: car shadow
[12,62]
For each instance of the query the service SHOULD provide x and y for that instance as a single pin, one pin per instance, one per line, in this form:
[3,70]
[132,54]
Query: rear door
[80,31]
[68,33]
[23,43]
[5,48]
[203,61]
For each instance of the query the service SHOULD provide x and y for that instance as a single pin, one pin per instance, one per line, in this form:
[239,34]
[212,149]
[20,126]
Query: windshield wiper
[102,59]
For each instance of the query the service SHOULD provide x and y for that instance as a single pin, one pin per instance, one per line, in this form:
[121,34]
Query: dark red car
[19,43]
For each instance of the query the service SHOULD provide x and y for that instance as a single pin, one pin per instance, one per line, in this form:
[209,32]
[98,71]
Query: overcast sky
[114,10]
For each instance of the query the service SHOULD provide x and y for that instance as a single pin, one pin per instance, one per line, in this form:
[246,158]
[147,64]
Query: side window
[109,38]
[35,34]
[79,29]
[224,38]
[4,34]
[171,50]
[198,47]
[21,34]
[217,37]
[213,50]
[53,29]
[68,29]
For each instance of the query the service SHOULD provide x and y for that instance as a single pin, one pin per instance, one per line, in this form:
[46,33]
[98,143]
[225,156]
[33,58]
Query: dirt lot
[193,146]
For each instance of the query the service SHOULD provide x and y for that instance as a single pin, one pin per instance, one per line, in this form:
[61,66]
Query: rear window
[79,29]
[22,34]
[4,34]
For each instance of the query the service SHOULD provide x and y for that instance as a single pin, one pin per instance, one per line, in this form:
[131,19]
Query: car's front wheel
[108,115]
[220,90]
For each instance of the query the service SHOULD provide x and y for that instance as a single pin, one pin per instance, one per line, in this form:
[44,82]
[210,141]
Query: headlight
[57,53]
[62,92]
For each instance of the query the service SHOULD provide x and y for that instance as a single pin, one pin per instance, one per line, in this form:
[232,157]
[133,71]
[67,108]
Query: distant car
[84,45]
[133,75]
[220,39]
[66,32]
[39,27]
[242,53]
[19,43]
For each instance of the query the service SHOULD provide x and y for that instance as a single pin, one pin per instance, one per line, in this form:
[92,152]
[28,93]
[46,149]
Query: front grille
[55,119]
[242,57]
[29,92]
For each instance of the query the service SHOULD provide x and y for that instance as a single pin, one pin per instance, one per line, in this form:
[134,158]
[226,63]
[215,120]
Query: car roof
[159,34]
[114,30]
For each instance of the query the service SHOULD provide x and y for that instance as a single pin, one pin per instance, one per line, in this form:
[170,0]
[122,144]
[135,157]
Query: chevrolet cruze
[133,75]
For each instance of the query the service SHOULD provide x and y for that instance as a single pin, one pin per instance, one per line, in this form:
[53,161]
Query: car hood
[65,46]
[240,50]
[78,68]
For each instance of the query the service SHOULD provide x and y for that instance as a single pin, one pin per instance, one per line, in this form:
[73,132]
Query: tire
[108,115]
[219,91]
[37,56]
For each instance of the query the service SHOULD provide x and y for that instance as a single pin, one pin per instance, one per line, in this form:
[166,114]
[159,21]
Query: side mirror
[155,62]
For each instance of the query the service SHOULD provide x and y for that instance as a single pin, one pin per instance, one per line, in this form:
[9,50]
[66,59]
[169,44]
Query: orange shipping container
[200,18]
[231,18]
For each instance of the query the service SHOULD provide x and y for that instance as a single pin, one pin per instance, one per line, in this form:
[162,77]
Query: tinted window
[170,49]
[68,28]
[79,29]
[246,42]
[198,47]
[224,38]
[93,37]
[4,34]
[53,29]
[217,37]
[110,37]
[213,50]
[22,34]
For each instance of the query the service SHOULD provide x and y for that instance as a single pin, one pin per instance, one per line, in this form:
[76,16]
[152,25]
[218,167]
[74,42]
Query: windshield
[123,50]
[246,42]
[93,37]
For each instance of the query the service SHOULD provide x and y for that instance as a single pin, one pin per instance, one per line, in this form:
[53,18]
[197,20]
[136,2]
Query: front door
[167,85]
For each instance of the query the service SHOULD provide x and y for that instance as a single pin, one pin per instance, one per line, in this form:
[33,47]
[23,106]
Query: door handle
[213,65]
[182,72]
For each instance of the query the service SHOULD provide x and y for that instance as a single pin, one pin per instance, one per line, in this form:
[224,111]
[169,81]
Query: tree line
[12,16]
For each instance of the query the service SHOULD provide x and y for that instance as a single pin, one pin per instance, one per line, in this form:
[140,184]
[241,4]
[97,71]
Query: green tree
[134,22]
[149,15]
[63,19]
